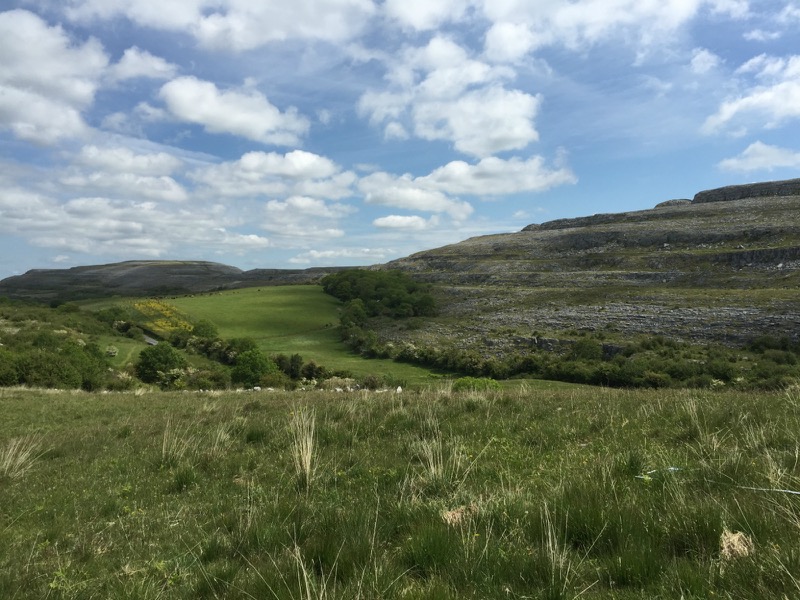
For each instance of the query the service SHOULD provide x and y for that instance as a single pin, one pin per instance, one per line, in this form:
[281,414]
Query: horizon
[354,132]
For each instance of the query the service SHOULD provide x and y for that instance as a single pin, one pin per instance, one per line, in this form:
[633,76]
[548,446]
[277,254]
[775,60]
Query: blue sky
[351,132]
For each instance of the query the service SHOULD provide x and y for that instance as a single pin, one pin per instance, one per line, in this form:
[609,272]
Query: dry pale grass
[18,456]
[734,544]
[458,515]
[302,429]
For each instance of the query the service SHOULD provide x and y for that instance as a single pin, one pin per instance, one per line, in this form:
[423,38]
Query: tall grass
[19,455]
[597,494]
[302,425]
[562,565]
[176,443]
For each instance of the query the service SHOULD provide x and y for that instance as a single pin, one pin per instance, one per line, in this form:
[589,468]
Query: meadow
[296,319]
[516,493]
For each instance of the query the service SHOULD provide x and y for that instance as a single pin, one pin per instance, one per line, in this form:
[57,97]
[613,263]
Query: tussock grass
[601,494]
[302,426]
[18,456]
[176,443]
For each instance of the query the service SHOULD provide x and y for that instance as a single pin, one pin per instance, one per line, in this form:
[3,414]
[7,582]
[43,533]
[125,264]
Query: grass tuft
[301,426]
[175,444]
[18,456]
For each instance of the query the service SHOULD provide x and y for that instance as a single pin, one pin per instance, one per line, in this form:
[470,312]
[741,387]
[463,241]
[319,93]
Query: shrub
[587,349]
[159,358]
[372,382]
[215,378]
[251,367]
[205,329]
[47,369]
[780,357]
[135,333]
[8,368]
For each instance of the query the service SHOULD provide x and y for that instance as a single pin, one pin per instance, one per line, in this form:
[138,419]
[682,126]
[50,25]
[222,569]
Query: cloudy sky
[345,132]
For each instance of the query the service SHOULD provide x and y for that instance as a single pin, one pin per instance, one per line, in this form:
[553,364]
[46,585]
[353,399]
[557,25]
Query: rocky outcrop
[766,189]
[675,202]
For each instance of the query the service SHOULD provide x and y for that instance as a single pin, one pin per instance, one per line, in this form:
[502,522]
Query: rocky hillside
[723,267]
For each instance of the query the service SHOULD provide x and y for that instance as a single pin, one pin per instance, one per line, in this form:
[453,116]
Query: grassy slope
[523,494]
[290,319]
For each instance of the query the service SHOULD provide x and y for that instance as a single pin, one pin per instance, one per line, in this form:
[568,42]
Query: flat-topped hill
[723,267]
[146,278]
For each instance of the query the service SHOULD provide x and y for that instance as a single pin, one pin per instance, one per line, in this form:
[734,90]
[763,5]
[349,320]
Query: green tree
[251,367]
[354,314]
[295,366]
[160,358]
[205,329]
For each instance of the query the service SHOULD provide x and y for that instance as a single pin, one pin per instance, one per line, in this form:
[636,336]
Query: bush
[205,329]
[251,368]
[372,382]
[587,349]
[215,378]
[161,358]
[47,369]
[8,368]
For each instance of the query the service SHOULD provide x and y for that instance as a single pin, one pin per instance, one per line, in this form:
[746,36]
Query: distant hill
[146,278]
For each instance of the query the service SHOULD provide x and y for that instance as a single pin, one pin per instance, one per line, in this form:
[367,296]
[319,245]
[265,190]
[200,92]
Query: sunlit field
[298,319]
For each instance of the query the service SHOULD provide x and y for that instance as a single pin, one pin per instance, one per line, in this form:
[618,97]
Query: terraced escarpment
[724,267]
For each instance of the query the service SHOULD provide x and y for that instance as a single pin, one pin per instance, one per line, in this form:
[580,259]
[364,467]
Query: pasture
[297,319]
[514,493]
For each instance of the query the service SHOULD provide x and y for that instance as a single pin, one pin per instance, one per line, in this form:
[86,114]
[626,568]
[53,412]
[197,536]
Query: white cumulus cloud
[762,157]
[46,79]
[140,63]
[703,61]
[494,176]
[406,222]
[423,15]
[128,185]
[509,42]
[296,173]
[300,217]
[119,159]
[236,24]
[774,99]
[443,94]
[481,122]
[336,256]
[407,193]
[246,113]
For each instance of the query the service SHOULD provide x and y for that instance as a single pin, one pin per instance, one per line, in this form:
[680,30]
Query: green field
[521,493]
[298,319]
